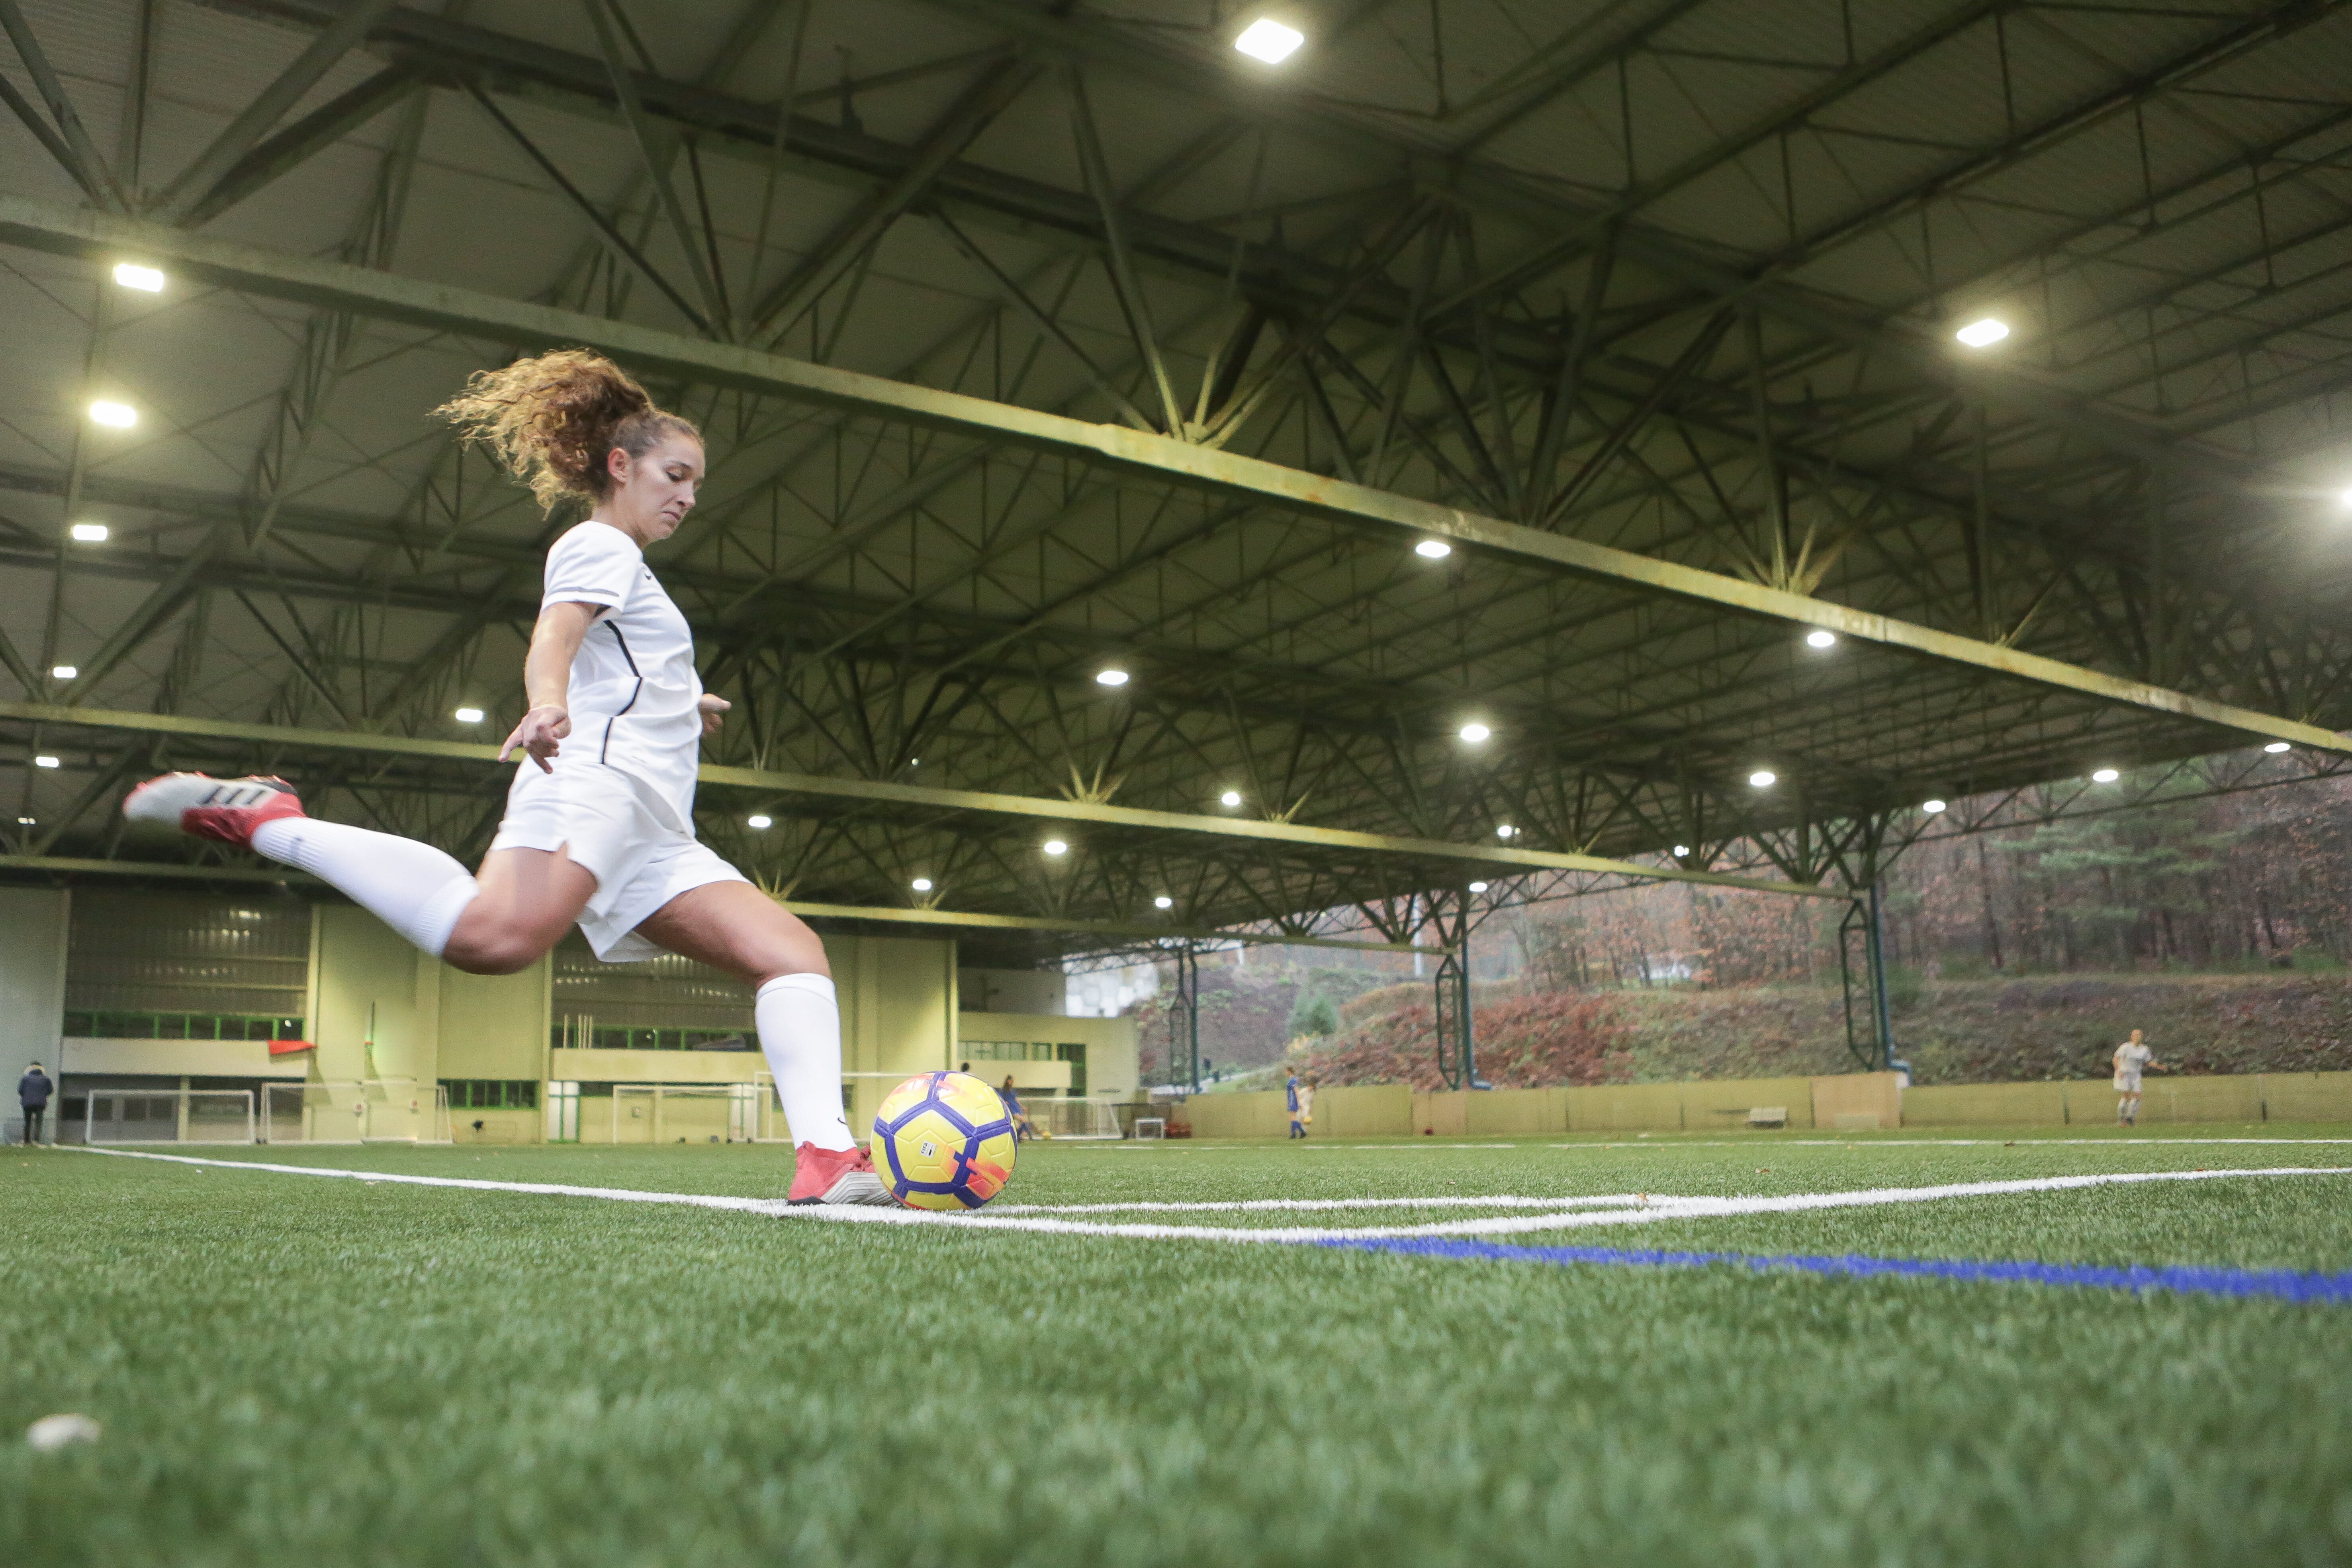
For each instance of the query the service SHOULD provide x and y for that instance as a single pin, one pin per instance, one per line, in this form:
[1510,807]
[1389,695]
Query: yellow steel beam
[1495,859]
[98,236]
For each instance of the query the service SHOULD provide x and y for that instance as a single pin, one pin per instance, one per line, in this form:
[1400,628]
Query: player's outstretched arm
[546,681]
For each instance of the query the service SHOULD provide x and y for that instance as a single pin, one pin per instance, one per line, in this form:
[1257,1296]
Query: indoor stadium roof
[1038,340]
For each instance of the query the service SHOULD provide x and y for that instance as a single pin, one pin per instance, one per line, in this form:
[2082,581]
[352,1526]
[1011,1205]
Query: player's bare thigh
[529,899]
[735,927]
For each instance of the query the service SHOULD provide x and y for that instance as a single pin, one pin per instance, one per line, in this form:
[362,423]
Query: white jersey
[2129,1059]
[634,694]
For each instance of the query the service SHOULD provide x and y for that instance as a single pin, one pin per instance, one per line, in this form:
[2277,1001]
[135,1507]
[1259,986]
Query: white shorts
[2127,1083]
[614,827]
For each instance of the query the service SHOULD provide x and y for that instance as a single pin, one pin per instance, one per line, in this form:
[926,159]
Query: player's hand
[712,709]
[539,735]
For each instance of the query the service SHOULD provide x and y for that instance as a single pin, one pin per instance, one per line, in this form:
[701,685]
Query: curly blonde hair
[549,422]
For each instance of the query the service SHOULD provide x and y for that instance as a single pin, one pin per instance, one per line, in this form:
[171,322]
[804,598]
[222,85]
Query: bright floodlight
[1933,808]
[88,532]
[468,715]
[1763,778]
[45,762]
[1056,846]
[1477,887]
[63,672]
[27,821]
[1268,40]
[1474,733]
[1821,640]
[1983,332]
[1111,678]
[1432,548]
[1681,850]
[130,275]
[760,821]
[1505,830]
[1163,902]
[2105,775]
[113,415]
[2275,747]
[921,884]
[1230,797]
[2344,499]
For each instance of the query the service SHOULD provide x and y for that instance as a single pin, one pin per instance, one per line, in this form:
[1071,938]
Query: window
[1077,1057]
[492,1094]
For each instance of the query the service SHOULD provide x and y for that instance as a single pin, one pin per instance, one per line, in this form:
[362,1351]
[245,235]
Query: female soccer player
[599,827]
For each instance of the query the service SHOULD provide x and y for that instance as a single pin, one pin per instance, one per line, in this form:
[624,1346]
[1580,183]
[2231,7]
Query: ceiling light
[1821,640]
[88,532]
[2105,775]
[1432,548]
[45,762]
[1474,733]
[130,275]
[1056,846]
[1983,332]
[1934,807]
[468,715]
[1477,887]
[27,822]
[1505,830]
[114,415]
[1681,850]
[1230,797]
[761,822]
[1111,678]
[1763,778]
[63,672]
[1163,902]
[1268,40]
[2344,499]
[2275,747]
[921,884]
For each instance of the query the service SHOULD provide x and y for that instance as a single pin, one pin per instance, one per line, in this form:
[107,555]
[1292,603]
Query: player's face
[658,490]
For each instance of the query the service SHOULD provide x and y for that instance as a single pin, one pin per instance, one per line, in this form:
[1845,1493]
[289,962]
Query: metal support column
[1457,1049]
[1185,1024]
[1874,1045]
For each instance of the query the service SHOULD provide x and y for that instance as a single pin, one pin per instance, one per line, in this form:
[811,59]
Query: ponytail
[550,421]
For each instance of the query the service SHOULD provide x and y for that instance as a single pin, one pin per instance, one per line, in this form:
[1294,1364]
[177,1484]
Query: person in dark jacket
[33,1094]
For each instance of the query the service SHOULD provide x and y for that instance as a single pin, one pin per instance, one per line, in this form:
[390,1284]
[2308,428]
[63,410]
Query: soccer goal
[370,1111]
[1078,1119]
[686,1113]
[170,1116]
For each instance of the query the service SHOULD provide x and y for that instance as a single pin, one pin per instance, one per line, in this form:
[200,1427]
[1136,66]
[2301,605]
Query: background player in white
[2131,1058]
[599,827]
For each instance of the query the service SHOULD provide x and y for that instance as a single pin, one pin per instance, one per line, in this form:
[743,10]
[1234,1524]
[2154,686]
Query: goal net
[688,1112]
[171,1116]
[372,1110]
[1072,1118]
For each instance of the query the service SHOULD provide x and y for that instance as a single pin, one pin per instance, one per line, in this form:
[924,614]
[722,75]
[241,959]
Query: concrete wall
[1113,1070]
[1849,1100]
[898,1013]
[2242,1097]
[32,923]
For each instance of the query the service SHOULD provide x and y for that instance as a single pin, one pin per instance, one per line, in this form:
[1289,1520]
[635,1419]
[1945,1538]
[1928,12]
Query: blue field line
[2276,1284]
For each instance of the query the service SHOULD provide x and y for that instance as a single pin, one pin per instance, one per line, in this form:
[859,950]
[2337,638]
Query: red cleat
[836,1176]
[225,809]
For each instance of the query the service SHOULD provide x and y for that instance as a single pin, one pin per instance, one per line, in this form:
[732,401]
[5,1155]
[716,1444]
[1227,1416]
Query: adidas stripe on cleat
[228,810]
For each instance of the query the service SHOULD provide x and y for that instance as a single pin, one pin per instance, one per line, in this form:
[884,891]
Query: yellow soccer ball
[943,1141]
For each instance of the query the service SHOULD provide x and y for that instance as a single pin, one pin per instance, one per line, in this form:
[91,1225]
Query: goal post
[357,1110]
[170,1116]
[688,1112]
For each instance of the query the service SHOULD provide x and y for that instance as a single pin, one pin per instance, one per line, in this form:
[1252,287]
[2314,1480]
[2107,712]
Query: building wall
[33,925]
[1113,1071]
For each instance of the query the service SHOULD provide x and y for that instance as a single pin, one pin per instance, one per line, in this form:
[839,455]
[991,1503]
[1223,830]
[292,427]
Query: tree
[1314,1014]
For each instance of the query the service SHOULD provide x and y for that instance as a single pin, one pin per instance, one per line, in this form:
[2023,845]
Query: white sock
[800,1034]
[413,888]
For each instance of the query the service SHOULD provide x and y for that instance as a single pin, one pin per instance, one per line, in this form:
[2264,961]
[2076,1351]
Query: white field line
[1261,1205]
[1763,1144]
[1653,1210]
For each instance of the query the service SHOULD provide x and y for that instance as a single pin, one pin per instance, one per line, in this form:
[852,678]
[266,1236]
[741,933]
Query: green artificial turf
[304,1369]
